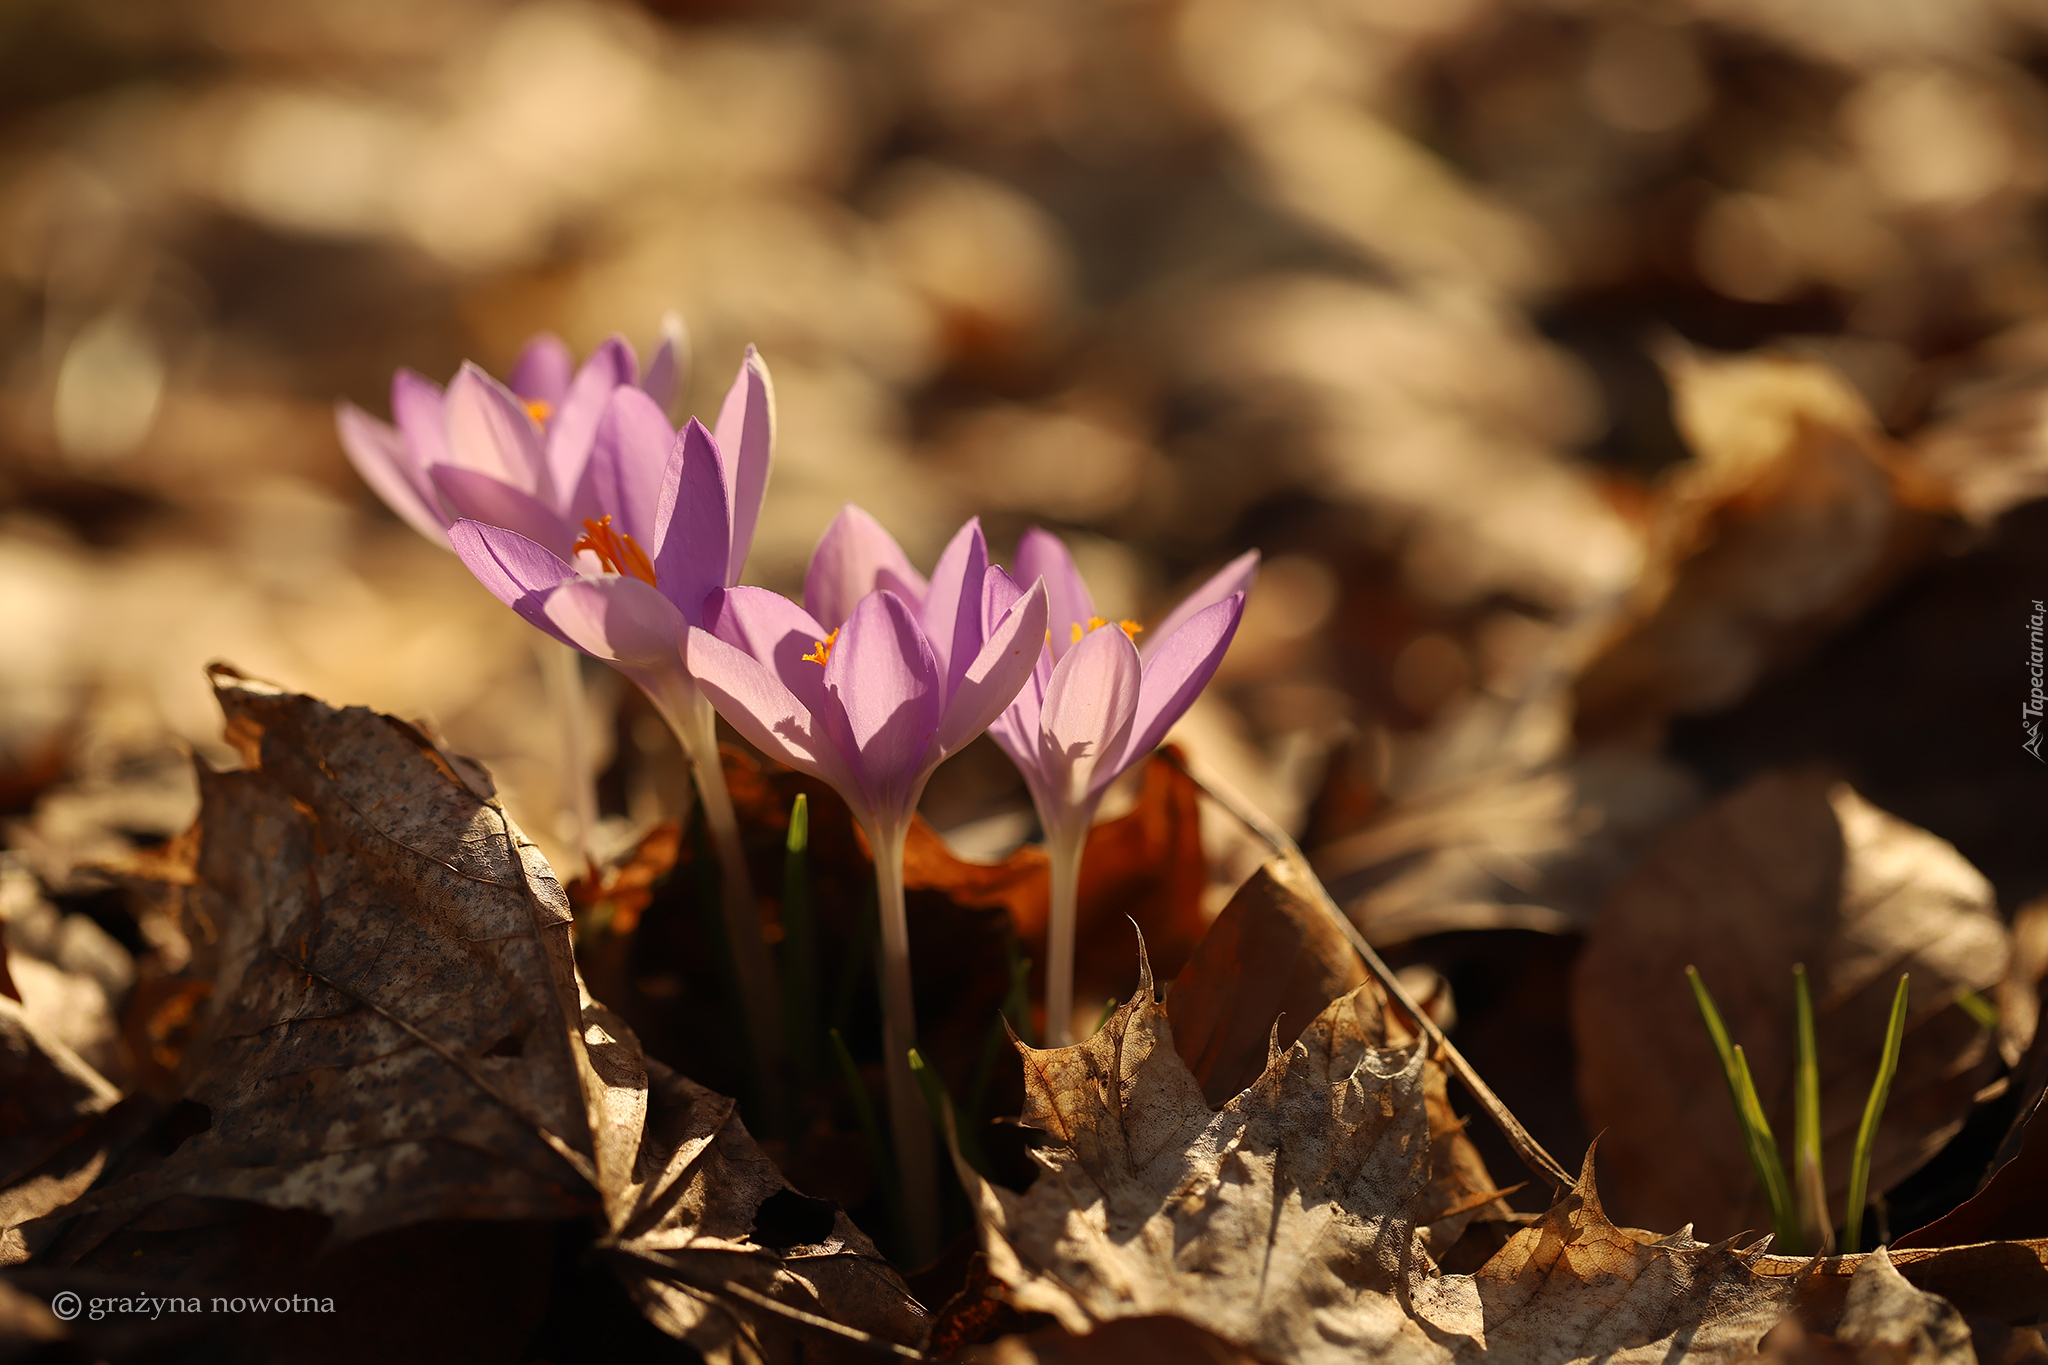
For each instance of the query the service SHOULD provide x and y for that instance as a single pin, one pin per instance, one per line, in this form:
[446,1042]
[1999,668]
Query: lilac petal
[542,370]
[518,572]
[628,461]
[755,703]
[1089,709]
[417,407]
[490,431]
[479,497]
[884,700]
[988,685]
[951,616]
[1016,730]
[746,435]
[1041,554]
[621,619]
[855,557]
[1234,577]
[668,373]
[573,425]
[378,452]
[692,526]
[776,631]
[1175,675]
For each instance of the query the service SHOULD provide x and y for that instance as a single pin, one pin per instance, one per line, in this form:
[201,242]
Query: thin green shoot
[940,1103]
[1873,1109]
[1108,1008]
[1978,1008]
[1809,1186]
[799,946]
[1749,1116]
[870,1129]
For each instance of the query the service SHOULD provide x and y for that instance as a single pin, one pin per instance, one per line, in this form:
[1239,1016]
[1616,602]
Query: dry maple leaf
[1284,1223]
[396,1033]
[1790,868]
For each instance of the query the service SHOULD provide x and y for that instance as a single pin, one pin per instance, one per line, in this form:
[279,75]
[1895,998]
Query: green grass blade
[938,1102]
[1978,1008]
[799,947]
[1809,1186]
[1873,1109]
[870,1129]
[1749,1117]
[1108,1008]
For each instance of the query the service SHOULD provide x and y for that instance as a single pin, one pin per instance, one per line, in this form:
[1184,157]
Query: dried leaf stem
[1526,1147]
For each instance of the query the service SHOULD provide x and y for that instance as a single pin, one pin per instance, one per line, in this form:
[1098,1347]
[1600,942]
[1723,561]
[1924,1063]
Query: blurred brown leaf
[1793,514]
[1791,868]
[48,1096]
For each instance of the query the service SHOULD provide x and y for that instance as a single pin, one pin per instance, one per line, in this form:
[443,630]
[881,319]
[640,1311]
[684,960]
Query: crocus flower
[870,692]
[486,450]
[1096,704]
[664,519]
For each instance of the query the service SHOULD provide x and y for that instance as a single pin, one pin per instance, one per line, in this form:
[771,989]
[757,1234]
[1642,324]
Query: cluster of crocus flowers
[571,497]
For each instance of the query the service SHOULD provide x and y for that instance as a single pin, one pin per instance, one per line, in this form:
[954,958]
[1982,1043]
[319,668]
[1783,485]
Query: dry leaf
[396,1033]
[1793,514]
[1282,1224]
[1791,868]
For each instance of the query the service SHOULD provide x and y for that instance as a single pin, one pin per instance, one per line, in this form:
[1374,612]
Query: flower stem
[909,1124]
[690,715]
[562,674]
[1064,848]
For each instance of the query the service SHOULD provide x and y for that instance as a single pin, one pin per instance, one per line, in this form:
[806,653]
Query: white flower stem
[689,714]
[1064,848]
[562,674]
[909,1123]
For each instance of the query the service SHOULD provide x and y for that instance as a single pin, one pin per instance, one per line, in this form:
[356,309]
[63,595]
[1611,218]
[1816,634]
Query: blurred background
[1412,297]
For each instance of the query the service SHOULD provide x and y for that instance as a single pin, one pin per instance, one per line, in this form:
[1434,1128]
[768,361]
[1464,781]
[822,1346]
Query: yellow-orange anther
[1130,628]
[616,550]
[539,409]
[823,653]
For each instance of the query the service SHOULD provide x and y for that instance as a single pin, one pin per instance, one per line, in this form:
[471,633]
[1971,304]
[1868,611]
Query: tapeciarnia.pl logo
[2037,698]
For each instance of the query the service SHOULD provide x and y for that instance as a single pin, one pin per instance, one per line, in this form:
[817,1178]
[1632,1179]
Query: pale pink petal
[951,615]
[378,452]
[755,703]
[1234,577]
[572,427]
[518,572]
[855,557]
[542,371]
[668,373]
[692,527]
[1180,667]
[473,496]
[490,431]
[991,682]
[883,701]
[628,462]
[746,437]
[776,631]
[621,619]
[417,408]
[1041,554]
[1086,721]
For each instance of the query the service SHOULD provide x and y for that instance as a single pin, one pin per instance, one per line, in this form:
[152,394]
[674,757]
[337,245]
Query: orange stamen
[1129,628]
[823,653]
[616,550]
[539,409]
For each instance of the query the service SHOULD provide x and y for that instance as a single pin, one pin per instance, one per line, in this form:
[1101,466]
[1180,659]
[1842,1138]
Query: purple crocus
[1096,704]
[490,451]
[663,520]
[870,691]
